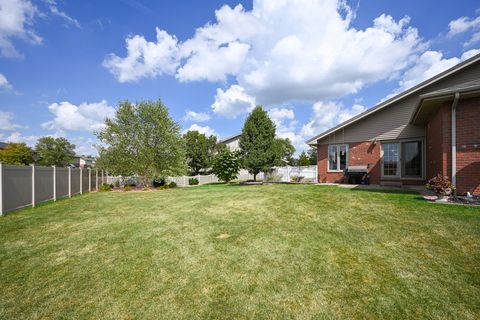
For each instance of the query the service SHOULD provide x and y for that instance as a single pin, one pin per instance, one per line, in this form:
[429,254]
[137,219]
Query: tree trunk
[255,177]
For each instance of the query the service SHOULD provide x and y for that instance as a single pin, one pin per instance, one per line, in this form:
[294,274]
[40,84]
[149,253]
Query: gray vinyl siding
[392,122]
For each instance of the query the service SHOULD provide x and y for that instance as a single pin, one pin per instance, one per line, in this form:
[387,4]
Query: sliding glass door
[402,159]
[412,159]
[391,159]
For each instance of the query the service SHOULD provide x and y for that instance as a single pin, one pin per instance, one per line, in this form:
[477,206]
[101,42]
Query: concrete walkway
[426,194]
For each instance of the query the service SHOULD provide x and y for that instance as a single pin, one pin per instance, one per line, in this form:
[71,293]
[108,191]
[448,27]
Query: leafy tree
[142,139]
[54,152]
[303,159]
[16,153]
[226,165]
[257,144]
[199,151]
[285,152]
[312,156]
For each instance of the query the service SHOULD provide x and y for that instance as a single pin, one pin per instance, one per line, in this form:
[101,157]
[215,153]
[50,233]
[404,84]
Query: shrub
[158,182]
[441,185]
[172,185]
[193,181]
[127,188]
[296,179]
[117,184]
[105,187]
[226,165]
[274,178]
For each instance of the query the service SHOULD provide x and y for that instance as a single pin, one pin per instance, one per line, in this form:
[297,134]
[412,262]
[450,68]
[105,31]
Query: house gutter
[454,140]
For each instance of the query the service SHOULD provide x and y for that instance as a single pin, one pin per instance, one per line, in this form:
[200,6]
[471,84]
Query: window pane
[412,157]
[332,157]
[390,159]
[343,157]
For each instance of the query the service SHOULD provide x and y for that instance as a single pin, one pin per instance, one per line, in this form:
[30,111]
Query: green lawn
[237,252]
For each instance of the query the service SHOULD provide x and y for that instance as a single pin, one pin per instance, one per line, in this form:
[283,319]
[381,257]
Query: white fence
[281,174]
[24,186]
[285,174]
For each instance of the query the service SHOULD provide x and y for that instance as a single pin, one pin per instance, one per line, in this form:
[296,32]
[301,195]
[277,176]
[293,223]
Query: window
[337,157]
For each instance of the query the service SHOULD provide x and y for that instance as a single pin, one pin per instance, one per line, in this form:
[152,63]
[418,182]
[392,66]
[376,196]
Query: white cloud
[145,58]
[52,5]
[279,114]
[17,137]
[196,116]
[429,64]
[232,102]
[4,84]
[213,63]
[328,114]
[16,20]
[279,51]
[84,117]
[206,130]
[6,123]
[464,24]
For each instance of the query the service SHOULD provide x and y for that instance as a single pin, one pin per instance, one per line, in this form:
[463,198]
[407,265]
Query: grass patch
[228,251]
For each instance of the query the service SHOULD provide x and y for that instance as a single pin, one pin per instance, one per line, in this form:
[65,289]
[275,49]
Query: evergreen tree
[258,147]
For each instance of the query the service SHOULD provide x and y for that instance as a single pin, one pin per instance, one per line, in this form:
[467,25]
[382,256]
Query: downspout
[454,141]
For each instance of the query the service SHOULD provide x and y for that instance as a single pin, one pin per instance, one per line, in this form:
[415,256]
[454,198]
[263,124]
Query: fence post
[69,182]
[54,183]
[1,189]
[96,179]
[89,180]
[33,186]
[81,180]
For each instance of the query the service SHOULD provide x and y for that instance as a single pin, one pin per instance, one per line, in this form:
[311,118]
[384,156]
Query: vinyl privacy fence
[25,186]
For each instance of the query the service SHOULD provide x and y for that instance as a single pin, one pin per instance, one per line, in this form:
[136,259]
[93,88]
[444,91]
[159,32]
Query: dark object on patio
[357,174]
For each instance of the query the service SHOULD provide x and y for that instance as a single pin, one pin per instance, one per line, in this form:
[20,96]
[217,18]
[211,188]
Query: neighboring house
[83,162]
[430,129]
[3,145]
[232,143]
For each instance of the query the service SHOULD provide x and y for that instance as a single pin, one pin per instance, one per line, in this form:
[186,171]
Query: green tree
[54,151]
[16,153]
[303,159]
[142,139]
[199,151]
[226,165]
[312,156]
[257,144]
[285,152]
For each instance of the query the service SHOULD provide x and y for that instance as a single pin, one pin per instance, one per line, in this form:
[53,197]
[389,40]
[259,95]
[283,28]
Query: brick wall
[468,136]
[359,154]
[468,146]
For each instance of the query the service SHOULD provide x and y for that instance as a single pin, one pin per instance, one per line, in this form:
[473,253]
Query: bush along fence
[25,186]
[277,174]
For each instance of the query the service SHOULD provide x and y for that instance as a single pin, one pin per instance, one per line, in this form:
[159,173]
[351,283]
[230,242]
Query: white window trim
[401,164]
[338,156]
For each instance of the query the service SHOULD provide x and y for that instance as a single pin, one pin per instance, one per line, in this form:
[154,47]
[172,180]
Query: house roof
[229,139]
[3,145]
[433,100]
[404,94]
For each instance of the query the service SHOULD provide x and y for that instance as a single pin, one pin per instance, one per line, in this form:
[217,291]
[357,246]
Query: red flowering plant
[441,185]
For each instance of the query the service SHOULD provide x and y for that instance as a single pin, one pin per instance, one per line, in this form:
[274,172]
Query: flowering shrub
[440,185]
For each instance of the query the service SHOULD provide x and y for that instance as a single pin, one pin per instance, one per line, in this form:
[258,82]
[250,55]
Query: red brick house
[429,129]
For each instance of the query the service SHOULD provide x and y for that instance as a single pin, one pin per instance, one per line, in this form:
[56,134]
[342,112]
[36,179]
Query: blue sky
[64,65]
